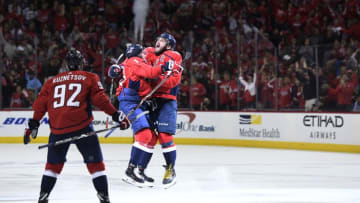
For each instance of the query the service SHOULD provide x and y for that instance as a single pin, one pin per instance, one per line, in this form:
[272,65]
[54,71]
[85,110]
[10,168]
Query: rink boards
[309,131]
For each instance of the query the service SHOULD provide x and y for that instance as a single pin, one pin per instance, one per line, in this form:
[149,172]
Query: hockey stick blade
[71,139]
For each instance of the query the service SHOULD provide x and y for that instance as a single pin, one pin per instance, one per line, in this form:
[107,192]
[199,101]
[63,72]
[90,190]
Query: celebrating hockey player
[164,99]
[133,85]
[67,98]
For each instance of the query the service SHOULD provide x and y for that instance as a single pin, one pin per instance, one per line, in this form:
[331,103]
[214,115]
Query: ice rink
[204,174]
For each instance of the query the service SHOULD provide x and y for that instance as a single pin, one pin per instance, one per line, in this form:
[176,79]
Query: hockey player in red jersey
[67,97]
[164,116]
[132,88]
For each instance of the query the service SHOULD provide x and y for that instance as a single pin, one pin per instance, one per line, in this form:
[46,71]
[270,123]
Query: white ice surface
[204,174]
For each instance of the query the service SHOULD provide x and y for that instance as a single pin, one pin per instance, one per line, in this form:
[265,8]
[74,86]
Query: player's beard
[159,50]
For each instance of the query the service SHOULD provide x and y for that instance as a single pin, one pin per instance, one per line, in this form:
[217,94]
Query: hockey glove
[32,130]
[116,71]
[121,118]
[168,66]
[150,105]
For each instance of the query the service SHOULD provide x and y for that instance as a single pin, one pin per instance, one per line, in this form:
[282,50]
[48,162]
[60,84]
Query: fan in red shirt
[354,30]
[67,98]
[234,93]
[112,39]
[97,56]
[345,93]
[330,99]
[44,13]
[267,89]
[285,93]
[16,98]
[60,21]
[224,92]
[197,93]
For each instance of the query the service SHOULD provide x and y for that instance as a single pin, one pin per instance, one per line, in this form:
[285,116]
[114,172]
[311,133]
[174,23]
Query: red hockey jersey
[67,98]
[170,88]
[136,70]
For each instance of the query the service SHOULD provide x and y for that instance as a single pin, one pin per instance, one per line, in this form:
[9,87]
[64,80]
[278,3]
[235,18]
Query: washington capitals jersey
[67,97]
[170,88]
[136,72]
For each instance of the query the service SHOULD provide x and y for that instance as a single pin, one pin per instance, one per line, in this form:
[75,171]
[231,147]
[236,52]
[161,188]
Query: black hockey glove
[121,118]
[168,66]
[32,130]
[150,105]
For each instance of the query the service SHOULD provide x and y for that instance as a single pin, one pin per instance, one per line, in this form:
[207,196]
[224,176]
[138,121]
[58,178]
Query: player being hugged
[164,116]
[67,97]
[133,86]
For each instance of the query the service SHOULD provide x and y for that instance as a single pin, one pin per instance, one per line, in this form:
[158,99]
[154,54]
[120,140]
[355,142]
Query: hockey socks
[101,185]
[136,154]
[135,173]
[141,158]
[168,148]
[145,159]
[143,148]
[169,178]
[47,184]
[170,156]
[146,156]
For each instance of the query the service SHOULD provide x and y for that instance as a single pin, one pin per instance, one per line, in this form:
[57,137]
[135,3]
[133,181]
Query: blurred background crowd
[276,55]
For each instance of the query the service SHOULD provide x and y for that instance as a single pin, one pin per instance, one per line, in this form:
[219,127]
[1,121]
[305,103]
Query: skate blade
[149,184]
[132,182]
[169,185]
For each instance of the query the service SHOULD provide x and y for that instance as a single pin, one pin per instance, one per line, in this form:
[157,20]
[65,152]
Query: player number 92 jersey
[67,98]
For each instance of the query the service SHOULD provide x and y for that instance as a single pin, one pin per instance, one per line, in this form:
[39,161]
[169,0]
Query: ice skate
[43,197]
[132,178]
[103,198]
[169,177]
[148,181]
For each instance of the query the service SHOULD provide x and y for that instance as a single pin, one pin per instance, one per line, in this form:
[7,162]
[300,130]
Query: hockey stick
[70,139]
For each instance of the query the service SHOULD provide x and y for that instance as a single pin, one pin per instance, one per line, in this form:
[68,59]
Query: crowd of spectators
[246,54]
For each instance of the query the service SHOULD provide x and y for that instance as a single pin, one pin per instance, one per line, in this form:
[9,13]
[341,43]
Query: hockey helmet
[133,50]
[169,38]
[74,59]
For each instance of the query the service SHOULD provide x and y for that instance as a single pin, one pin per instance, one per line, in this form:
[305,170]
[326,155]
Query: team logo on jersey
[250,119]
